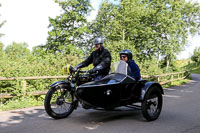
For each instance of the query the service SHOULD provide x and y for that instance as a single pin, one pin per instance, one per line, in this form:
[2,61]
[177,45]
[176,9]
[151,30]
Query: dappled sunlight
[14,117]
[93,125]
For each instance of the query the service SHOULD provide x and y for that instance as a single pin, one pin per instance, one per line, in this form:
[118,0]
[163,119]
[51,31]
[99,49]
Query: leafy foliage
[156,28]
[18,61]
[17,51]
[70,28]
[1,24]
[196,55]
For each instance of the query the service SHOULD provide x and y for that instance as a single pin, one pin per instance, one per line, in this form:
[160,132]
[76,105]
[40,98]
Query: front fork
[73,93]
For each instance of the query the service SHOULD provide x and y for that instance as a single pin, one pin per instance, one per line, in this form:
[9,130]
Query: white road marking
[173,96]
[169,89]
[186,91]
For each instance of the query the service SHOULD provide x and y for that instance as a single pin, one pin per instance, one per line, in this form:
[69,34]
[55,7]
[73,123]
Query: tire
[152,104]
[59,103]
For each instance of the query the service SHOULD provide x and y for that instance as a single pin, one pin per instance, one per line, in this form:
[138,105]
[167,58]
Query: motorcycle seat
[142,80]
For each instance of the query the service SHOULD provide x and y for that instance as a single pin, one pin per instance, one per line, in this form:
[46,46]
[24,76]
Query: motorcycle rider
[126,56]
[100,58]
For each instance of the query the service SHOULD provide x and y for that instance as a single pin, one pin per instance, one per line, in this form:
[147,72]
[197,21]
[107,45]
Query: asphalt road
[180,114]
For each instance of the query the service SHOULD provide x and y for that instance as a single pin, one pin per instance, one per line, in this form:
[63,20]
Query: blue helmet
[98,40]
[127,53]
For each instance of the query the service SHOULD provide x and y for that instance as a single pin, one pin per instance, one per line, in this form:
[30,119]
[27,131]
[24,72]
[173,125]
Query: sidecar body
[108,92]
[114,90]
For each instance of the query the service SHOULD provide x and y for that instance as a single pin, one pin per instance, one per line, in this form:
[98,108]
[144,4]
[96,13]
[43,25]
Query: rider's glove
[91,71]
[78,66]
[75,68]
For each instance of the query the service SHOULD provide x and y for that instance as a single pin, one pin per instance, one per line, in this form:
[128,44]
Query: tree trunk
[158,61]
[123,35]
[167,63]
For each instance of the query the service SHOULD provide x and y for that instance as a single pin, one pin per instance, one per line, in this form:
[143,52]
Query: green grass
[183,63]
[189,65]
[196,70]
[176,83]
[186,65]
[21,103]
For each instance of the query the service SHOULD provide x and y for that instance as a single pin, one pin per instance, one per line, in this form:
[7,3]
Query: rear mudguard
[146,88]
[63,84]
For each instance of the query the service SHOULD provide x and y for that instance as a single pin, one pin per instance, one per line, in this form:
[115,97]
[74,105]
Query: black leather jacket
[101,60]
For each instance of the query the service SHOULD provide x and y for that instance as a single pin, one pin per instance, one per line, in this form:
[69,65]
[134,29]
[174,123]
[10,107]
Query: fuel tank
[107,92]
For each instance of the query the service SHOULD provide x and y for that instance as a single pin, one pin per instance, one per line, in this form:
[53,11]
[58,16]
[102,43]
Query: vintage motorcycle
[114,90]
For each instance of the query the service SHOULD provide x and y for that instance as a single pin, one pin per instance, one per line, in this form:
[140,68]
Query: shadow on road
[10,118]
[107,116]
[27,117]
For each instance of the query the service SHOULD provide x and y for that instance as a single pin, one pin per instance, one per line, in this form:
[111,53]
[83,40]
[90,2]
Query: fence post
[158,79]
[23,84]
[172,78]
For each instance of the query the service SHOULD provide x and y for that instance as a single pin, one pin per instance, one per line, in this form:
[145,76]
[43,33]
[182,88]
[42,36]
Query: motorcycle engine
[84,79]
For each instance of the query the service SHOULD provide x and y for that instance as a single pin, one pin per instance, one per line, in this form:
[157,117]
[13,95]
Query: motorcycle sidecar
[107,93]
[119,89]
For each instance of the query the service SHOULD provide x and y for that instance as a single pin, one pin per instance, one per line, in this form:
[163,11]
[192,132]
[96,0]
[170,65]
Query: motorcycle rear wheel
[59,103]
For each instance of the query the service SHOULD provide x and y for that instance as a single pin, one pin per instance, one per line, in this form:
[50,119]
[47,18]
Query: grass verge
[19,103]
[196,70]
[176,83]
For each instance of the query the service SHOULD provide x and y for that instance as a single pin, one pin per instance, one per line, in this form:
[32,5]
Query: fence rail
[32,78]
[162,79]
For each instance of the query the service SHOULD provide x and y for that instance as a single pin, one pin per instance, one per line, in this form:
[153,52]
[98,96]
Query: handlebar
[83,71]
[93,74]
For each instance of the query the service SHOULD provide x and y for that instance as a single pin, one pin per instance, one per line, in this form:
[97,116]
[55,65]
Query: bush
[196,55]
[37,63]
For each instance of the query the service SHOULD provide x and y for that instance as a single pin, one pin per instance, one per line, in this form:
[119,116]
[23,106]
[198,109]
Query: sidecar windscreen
[121,74]
[119,67]
[109,79]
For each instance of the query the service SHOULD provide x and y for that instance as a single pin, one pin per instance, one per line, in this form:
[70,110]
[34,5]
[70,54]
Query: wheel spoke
[61,103]
[152,105]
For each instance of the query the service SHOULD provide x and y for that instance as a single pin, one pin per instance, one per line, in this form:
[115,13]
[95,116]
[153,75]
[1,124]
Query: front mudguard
[62,84]
[146,88]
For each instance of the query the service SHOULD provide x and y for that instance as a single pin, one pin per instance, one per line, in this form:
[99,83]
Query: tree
[196,55]
[103,24]
[1,44]
[155,28]
[1,24]
[17,51]
[70,28]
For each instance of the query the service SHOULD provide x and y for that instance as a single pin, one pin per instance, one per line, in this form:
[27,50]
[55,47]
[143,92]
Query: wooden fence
[162,79]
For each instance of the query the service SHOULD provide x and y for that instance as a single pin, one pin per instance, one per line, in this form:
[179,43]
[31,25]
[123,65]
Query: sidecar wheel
[59,103]
[152,104]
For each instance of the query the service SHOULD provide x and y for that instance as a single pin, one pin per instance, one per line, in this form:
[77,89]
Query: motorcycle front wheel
[59,103]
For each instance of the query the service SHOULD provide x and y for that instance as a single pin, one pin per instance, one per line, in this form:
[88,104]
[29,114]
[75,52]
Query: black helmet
[127,53]
[98,40]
